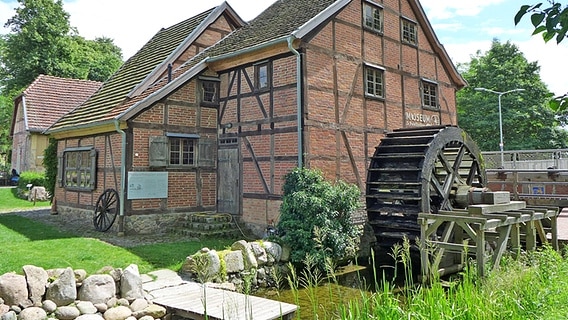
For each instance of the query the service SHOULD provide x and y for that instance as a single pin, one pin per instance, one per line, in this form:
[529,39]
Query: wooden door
[228,193]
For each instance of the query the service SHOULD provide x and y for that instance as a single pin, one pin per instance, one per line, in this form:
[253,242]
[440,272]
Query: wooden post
[480,248]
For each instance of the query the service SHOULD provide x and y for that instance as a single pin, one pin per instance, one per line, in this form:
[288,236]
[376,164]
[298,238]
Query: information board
[147,185]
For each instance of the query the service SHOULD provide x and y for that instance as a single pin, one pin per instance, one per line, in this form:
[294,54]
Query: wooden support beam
[504,233]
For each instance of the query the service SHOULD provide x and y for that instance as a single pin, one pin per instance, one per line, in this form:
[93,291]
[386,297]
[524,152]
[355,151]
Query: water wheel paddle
[106,210]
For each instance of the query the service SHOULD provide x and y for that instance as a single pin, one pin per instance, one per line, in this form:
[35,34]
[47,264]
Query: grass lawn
[9,201]
[25,241]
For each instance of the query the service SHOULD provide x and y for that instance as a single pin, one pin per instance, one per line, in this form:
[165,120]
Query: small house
[37,108]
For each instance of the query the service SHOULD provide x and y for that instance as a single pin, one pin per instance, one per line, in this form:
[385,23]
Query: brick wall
[342,126]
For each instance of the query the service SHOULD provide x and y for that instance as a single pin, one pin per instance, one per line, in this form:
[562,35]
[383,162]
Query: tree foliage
[552,23]
[527,122]
[316,218]
[42,41]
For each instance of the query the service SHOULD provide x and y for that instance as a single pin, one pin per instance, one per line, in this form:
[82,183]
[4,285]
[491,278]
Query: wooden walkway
[192,300]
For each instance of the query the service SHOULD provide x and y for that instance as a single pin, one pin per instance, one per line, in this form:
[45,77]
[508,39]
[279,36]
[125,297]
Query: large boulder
[98,288]
[273,250]
[248,254]
[63,290]
[86,307]
[67,313]
[259,253]
[33,313]
[37,282]
[131,283]
[234,261]
[13,289]
[117,313]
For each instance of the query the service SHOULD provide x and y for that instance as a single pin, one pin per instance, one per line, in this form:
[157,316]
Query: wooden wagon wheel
[106,210]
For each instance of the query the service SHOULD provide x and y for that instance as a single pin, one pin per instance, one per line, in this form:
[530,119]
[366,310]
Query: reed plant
[532,286]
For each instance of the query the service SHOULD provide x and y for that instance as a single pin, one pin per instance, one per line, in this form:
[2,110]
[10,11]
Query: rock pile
[258,264]
[68,294]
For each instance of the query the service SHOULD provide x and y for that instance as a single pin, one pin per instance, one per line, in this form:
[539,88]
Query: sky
[463,27]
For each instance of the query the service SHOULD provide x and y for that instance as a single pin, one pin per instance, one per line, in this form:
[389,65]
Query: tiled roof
[132,72]
[281,19]
[48,98]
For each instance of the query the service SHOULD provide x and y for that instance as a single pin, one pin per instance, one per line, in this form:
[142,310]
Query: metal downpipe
[298,99]
[122,177]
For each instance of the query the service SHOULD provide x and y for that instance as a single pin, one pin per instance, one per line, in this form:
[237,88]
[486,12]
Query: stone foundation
[133,224]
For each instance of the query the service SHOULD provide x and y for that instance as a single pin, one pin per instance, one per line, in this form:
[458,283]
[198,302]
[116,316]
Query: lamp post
[499,93]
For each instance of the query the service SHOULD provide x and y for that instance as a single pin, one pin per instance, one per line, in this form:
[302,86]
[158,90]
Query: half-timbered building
[212,121]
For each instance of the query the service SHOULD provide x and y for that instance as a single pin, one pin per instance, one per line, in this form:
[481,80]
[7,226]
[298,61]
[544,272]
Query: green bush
[50,165]
[30,177]
[315,218]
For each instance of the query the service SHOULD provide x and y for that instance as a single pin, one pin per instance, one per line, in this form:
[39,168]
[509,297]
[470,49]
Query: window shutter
[60,170]
[93,179]
[158,151]
[207,152]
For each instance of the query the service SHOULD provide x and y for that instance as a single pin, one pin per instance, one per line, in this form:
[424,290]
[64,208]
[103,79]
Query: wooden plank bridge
[192,300]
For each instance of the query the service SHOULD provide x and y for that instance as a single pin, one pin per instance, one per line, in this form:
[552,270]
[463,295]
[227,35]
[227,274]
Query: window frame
[429,97]
[412,32]
[377,70]
[215,94]
[375,8]
[192,140]
[257,76]
[85,169]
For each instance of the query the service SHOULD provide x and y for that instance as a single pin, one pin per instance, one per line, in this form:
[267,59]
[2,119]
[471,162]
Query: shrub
[315,218]
[30,177]
[50,165]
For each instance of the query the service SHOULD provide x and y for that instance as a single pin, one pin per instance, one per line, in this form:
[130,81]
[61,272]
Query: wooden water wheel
[417,170]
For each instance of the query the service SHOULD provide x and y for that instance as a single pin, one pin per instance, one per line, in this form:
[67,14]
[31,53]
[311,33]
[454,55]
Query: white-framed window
[372,17]
[181,150]
[429,94]
[78,168]
[409,32]
[374,81]
[262,76]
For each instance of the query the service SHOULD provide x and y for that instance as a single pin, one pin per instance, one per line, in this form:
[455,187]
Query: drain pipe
[298,98]
[122,177]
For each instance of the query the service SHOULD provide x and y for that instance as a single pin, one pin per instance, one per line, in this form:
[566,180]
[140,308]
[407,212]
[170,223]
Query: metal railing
[536,176]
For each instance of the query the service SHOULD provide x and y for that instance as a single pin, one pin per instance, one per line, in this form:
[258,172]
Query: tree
[527,123]
[551,22]
[42,41]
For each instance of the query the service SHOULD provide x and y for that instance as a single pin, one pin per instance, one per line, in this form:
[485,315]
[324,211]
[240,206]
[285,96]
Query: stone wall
[246,265]
[67,294]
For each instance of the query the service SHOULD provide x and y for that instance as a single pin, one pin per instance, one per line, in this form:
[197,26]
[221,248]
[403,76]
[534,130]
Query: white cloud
[445,9]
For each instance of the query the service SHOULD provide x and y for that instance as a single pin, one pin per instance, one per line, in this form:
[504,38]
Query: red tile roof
[48,98]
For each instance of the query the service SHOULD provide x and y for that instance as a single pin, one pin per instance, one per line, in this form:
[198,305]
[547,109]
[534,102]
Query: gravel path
[87,230]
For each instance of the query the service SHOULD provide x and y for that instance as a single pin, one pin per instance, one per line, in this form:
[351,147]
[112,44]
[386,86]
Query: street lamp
[500,116]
